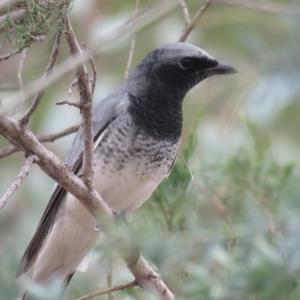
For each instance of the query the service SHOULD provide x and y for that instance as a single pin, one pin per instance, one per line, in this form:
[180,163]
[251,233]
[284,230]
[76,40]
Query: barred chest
[130,163]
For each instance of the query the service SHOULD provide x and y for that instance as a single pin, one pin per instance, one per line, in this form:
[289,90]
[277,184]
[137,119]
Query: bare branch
[185,12]
[265,6]
[43,139]
[109,283]
[92,62]
[132,46]
[188,28]
[76,104]
[25,119]
[86,108]
[73,83]
[5,56]
[20,69]
[54,136]
[20,81]
[149,17]
[188,167]
[55,168]
[109,290]
[15,185]
[11,6]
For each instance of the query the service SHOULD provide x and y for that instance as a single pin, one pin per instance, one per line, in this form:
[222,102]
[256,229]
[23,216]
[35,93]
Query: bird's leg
[119,217]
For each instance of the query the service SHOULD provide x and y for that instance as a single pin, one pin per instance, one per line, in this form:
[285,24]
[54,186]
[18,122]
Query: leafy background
[233,232]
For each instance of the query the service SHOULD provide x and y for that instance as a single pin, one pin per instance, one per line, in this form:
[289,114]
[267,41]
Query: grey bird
[137,130]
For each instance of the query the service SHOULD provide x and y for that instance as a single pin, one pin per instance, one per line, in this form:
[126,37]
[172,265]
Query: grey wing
[104,113]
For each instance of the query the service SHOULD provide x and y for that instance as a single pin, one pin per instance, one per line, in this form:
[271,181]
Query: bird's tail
[26,295]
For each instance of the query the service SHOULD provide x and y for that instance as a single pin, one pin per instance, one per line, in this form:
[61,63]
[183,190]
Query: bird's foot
[119,216]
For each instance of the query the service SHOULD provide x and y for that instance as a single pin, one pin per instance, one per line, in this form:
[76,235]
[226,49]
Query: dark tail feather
[26,296]
[68,279]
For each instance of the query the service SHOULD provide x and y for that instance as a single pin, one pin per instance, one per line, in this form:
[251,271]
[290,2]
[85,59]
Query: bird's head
[177,67]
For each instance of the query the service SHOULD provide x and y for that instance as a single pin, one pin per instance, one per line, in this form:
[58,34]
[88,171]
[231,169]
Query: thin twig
[73,83]
[76,104]
[15,185]
[109,284]
[109,275]
[5,56]
[43,139]
[103,44]
[185,12]
[86,108]
[10,6]
[93,65]
[188,167]
[20,81]
[20,69]
[106,291]
[188,28]
[264,6]
[38,97]
[132,46]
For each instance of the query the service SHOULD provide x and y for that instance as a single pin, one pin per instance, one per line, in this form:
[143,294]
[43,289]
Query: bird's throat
[159,117]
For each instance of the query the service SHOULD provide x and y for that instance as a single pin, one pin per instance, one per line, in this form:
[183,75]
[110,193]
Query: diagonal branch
[86,106]
[112,289]
[264,6]
[185,12]
[191,25]
[132,45]
[15,185]
[20,80]
[43,139]
[25,119]
[55,168]
[149,17]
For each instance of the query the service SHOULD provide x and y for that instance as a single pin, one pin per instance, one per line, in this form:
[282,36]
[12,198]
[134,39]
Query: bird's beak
[222,69]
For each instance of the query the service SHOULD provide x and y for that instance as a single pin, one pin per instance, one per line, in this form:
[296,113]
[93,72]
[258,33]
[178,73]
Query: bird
[136,135]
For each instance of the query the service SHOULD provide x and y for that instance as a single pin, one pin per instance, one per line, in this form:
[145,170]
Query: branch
[15,185]
[20,80]
[185,12]
[266,6]
[86,106]
[25,119]
[191,25]
[93,65]
[149,17]
[43,139]
[76,104]
[10,6]
[132,46]
[56,169]
[106,291]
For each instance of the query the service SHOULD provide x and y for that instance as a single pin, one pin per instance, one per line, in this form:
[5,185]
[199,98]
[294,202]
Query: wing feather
[104,114]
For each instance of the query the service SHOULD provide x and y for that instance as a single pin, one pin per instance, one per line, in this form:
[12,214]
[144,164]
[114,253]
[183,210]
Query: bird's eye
[186,63]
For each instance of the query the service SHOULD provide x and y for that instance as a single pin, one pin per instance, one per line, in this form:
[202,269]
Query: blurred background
[231,229]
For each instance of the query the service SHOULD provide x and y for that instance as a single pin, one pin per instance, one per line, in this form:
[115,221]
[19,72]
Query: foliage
[40,18]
